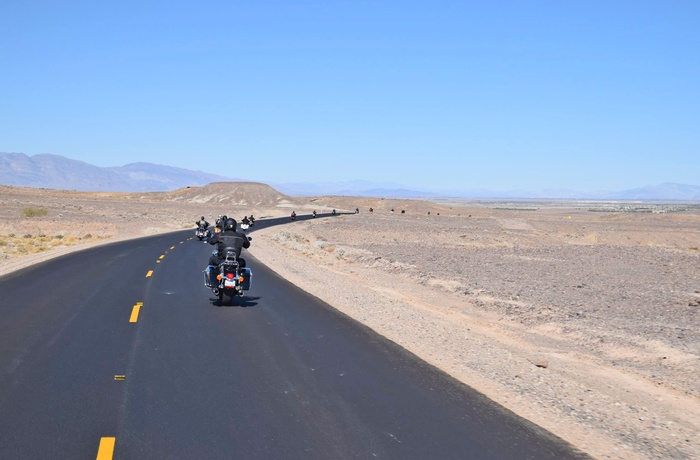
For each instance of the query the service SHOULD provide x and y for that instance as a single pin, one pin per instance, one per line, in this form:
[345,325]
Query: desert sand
[581,317]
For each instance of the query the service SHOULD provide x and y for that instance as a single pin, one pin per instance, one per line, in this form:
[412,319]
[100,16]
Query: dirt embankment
[586,323]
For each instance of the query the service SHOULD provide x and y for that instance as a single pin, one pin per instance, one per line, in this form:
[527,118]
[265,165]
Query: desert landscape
[582,317]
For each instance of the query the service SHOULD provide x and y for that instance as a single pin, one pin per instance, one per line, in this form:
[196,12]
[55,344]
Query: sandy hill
[250,194]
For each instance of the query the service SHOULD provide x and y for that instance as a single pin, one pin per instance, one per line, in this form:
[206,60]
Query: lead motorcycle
[228,278]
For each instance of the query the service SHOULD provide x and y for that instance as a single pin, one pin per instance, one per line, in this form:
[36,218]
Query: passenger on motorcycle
[229,238]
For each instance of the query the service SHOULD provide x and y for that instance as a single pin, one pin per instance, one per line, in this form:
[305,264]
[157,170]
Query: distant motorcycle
[314,214]
[293,216]
[228,278]
[202,233]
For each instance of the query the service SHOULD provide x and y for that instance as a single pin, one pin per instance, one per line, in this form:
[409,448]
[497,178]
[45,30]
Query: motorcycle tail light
[218,277]
[241,279]
[229,276]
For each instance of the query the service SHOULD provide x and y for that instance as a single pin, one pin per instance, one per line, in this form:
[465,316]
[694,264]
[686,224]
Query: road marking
[120,377]
[149,274]
[106,450]
[135,312]
[162,257]
[157,261]
[172,247]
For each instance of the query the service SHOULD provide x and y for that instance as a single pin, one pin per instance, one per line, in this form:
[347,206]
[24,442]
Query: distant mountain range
[662,192]
[58,172]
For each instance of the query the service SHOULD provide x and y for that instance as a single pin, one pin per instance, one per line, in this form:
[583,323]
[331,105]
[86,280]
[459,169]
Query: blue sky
[584,95]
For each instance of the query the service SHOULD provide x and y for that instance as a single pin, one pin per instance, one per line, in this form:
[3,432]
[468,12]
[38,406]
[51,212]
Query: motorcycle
[202,233]
[228,278]
[293,216]
[314,214]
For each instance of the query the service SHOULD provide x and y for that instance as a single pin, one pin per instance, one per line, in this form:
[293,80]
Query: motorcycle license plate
[229,284]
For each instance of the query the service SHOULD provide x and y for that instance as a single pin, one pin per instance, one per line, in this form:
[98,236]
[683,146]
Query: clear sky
[585,95]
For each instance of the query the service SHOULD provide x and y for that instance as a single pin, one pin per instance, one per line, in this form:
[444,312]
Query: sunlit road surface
[121,352]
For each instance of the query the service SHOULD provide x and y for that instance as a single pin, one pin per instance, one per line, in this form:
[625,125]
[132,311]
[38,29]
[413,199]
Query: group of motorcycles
[228,278]
[293,216]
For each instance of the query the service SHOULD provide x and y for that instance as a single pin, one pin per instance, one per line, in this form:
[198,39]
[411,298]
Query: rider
[202,223]
[229,238]
[220,222]
[314,213]
[245,220]
[294,215]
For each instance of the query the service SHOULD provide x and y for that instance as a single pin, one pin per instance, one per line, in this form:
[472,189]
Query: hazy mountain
[58,172]
[663,192]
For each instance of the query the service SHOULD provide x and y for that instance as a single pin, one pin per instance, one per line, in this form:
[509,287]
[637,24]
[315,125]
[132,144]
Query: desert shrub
[11,235]
[34,212]
[58,237]
[3,243]
[87,236]
[693,248]
[27,235]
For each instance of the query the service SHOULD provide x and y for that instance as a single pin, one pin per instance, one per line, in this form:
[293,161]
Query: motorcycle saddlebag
[209,277]
[247,278]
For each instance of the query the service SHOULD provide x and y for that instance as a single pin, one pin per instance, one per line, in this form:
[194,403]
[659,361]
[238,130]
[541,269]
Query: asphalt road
[279,374]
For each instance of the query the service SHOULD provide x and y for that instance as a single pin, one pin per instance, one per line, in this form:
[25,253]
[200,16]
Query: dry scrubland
[584,318]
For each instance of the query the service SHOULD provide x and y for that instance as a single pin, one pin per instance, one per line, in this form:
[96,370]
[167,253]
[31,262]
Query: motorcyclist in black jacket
[229,238]
[202,223]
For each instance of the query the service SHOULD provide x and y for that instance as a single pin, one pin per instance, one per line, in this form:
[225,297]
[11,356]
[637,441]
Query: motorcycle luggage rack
[230,257]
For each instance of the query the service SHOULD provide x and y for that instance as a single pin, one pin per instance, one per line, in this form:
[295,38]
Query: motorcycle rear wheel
[225,299]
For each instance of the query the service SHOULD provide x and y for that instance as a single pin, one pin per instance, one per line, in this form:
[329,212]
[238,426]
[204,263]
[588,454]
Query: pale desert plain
[582,317]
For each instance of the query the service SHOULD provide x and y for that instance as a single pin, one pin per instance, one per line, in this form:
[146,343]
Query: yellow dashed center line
[135,312]
[149,274]
[172,247]
[106,450]
[162,257]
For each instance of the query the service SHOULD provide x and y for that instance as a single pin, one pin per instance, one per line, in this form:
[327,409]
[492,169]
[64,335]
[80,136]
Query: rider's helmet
[202,218]
[230,224]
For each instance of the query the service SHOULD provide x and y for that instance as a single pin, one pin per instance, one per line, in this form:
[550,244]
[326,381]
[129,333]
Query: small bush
[58,237]
[87,236]
[34,212]
[11,235]
[27,235]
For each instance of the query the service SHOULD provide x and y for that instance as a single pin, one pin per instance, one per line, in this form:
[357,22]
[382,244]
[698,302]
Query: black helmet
[230,224]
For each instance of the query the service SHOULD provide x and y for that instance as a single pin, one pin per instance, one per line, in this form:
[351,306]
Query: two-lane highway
[91,349]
